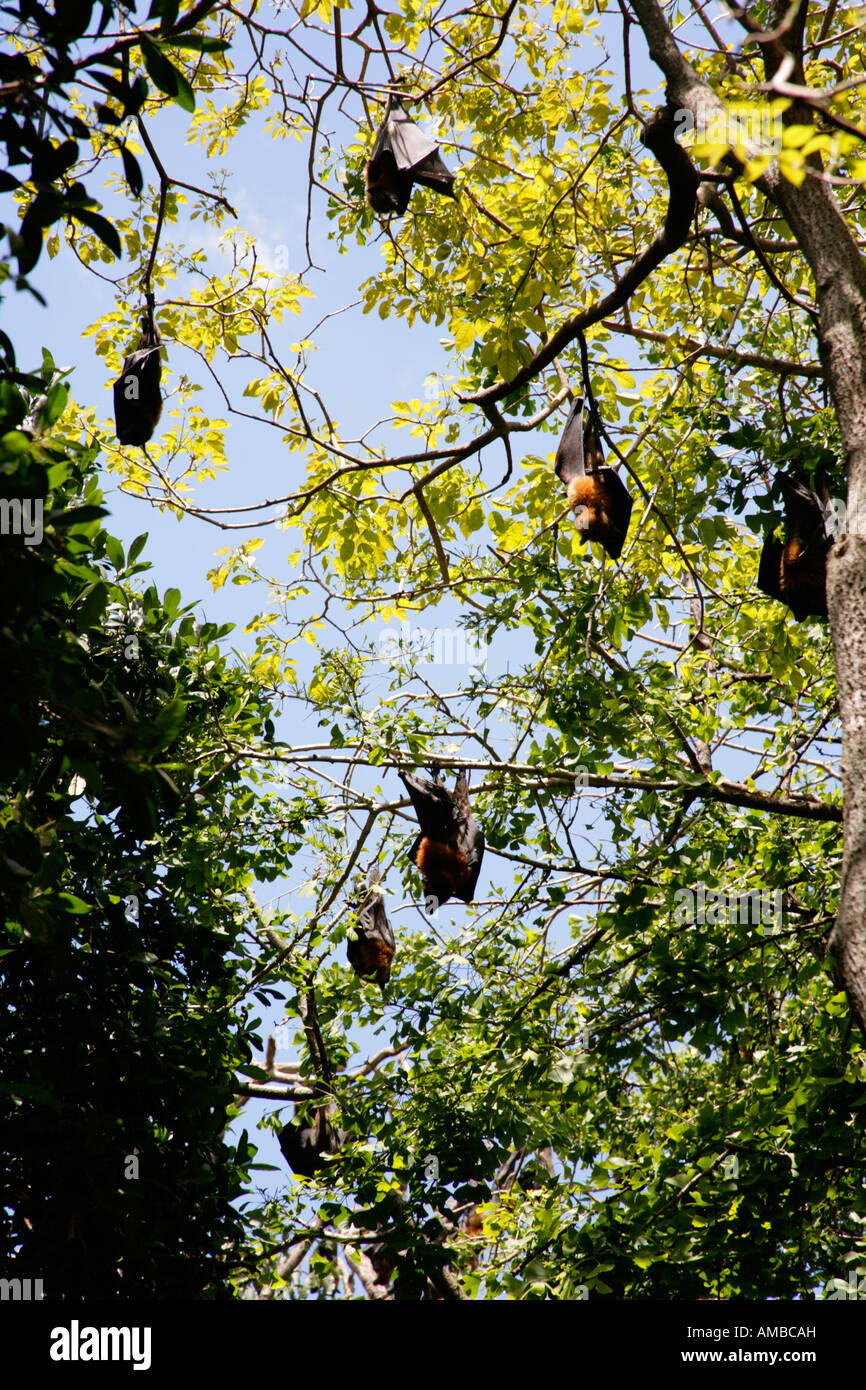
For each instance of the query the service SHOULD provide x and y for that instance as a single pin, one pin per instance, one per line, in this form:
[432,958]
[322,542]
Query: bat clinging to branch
[402,156]
[137,399]
[304,1146]
[371,948]
[450,847]
[794,571]
[602,507]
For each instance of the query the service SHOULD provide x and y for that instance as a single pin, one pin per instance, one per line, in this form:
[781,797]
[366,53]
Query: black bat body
[402,156]
[371,951]
[137,399]
[450,847]
[303,1146]
[794,571]
[602,507]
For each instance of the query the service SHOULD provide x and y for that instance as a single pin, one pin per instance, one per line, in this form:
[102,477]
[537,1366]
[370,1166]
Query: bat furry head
[602,506]
[137,398]
[794,571]
[371,949]
[402,156]
[450,847]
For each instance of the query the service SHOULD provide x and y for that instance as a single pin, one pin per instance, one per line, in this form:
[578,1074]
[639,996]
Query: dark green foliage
[120,855]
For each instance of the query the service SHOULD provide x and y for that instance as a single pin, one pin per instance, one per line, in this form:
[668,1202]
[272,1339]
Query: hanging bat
[402,156]
[137,400]
[371,949]
[304,1146]
[794,571]
[602,507]
[450,847]
[382,1260]
[472,1221]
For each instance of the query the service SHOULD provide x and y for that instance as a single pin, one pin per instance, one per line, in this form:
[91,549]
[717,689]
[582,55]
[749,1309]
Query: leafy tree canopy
[631,1066]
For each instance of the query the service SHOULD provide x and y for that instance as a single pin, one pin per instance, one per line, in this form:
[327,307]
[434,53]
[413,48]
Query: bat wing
[433,173]
[769,568]
[389,184]
[378,928]
[460,797]
[406,141]
[618,505]
[795,571]
[805,519]
[471,850]
[803,578]
[388,190]
[149,333]
[416,845]
[593,454]
[469,841]
[569,456]
[416,153]
[432,804]
[299,1149]
[143,357]
[473,854]
[796,492]
[147,362]
[430,853]
[303,1145]
[137,399]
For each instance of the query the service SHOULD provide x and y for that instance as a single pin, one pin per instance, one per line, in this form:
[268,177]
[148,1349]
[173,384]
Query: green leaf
[73,904]
[55,403]
[136,548]
[15,443]
[166,11]
[136,96]
[165,76]
[132,172]
[114,551]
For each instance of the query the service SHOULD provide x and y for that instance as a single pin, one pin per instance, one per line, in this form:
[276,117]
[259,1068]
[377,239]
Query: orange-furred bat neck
[375,958]
[589,499]
[587,491]
[438,861]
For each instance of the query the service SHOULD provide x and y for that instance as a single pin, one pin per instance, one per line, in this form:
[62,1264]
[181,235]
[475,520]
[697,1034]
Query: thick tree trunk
[846,598]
